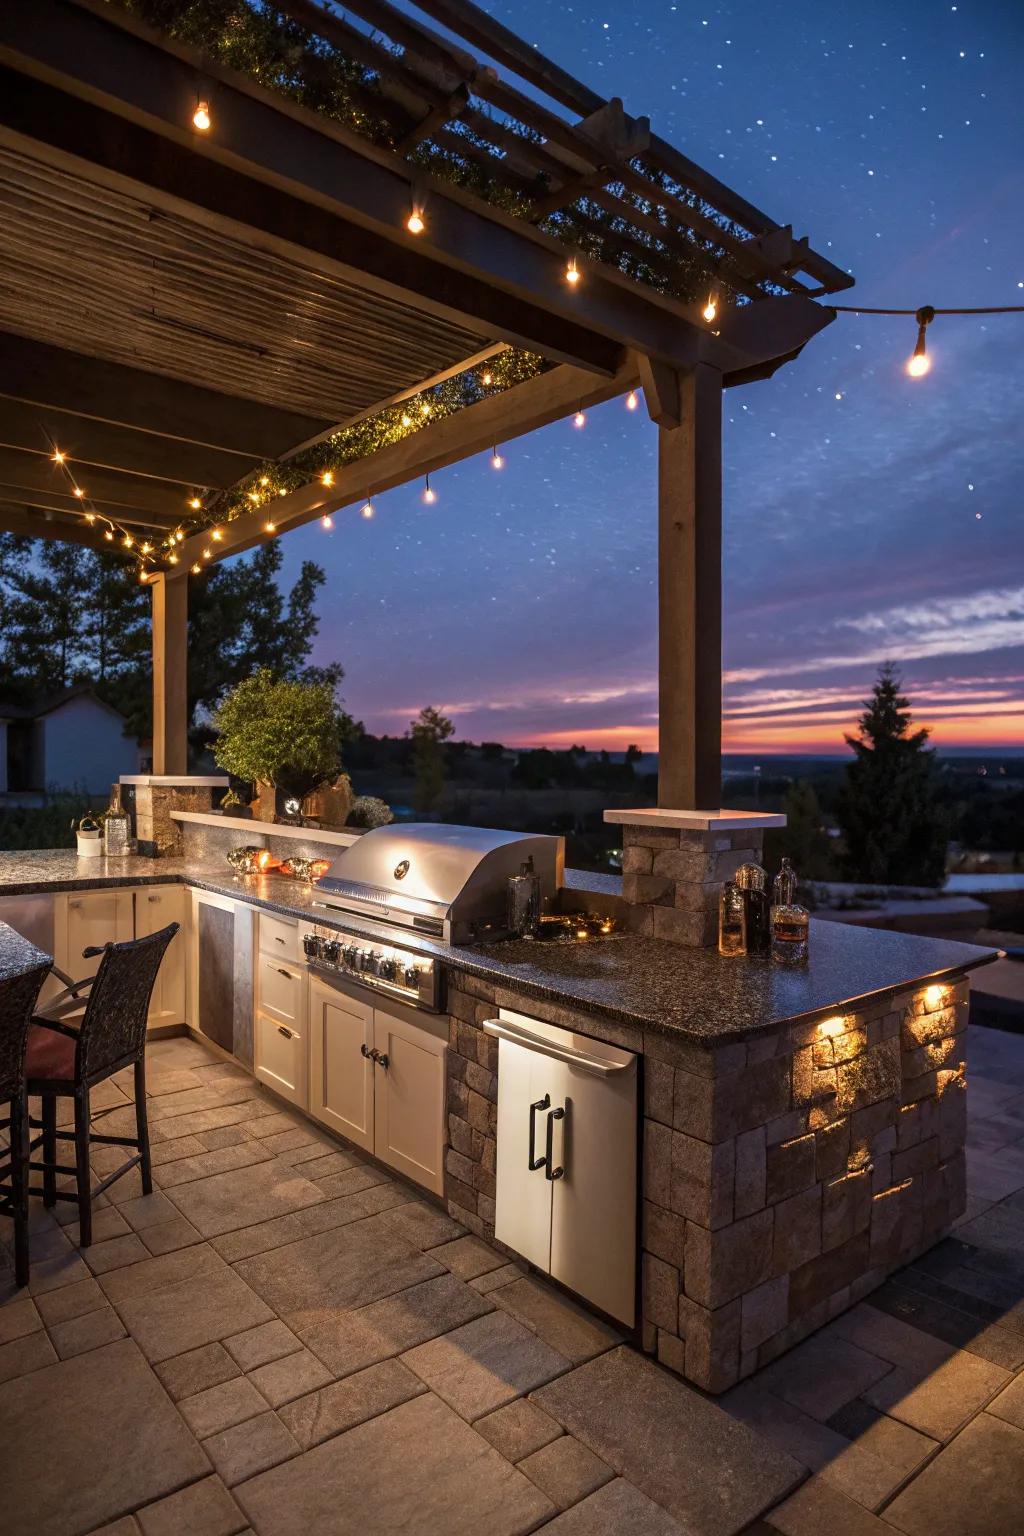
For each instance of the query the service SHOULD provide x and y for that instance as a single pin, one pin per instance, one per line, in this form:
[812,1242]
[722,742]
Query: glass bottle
[784,885]
[732,921]
[117,827]
[790,929]
[753,882]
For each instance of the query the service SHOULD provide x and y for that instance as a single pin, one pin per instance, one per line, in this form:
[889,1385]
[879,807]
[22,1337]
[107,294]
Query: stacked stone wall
[672,879]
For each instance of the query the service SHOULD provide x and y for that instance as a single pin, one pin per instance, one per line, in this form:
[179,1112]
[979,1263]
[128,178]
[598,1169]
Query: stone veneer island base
[784,1175]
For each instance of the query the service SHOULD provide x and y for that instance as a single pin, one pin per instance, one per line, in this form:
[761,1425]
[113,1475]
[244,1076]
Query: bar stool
[74,1045]
[18,996]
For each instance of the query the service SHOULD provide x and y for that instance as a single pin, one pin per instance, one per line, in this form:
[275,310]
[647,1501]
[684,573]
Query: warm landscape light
[934,997]
[201,116]
[710,309]
[497,462]
[327,478]
[631,400]
[429,495]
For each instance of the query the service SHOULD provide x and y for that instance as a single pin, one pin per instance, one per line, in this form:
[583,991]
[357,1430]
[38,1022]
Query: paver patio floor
[284,1338]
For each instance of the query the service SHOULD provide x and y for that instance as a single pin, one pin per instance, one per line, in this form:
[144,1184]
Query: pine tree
[428,731]
[889,811]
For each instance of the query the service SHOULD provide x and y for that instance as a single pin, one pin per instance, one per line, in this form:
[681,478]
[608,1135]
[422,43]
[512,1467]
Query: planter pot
[264,806]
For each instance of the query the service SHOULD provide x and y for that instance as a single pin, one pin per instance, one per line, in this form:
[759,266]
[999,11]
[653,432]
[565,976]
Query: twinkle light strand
[919,363]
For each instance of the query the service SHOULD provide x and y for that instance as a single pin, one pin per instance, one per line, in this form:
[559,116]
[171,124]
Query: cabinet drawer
[281,1058]
[281,989]
[278,937]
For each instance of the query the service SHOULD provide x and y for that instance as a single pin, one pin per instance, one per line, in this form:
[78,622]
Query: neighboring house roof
[55,701]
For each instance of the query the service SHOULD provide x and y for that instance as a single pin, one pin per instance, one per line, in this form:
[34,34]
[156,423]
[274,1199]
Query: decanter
[732,921]
[117,827]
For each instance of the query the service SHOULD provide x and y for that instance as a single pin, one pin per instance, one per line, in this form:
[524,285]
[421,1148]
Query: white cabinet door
[522,1217]
[155,907]
[340,1074]
[410,1097]
[281,1054]
[96,918]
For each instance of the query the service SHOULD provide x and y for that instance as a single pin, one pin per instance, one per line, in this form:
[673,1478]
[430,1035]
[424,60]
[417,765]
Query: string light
[327,478]
[425,408]
[487,379]
[253,496]
[327,521]
[77,491]
[108,534]
[147,549]
[216,535]
[406,419]
[58,457]
[196,569]
[572,272]
[919,362]
[90,517]
[127,541]
[264,479]
[415,223]
[207,553]
[269,527]
[631,401]
[368,509]
[172,559]
[201,116]
[429,495]
[282,491]
[497,462]
[710,309]
[195,504]
[580,419]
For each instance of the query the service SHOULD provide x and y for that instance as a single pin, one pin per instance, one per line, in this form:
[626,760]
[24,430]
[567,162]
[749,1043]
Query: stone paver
[346,1267]
[349,1341]
[973,1488]
[822,1374]
[250,1447]
[570,1330]
[518,1429]
[203,1509]
[292,1376]
[243,1196]
[484,1364]
[196,1370]
[658,1433]
[217,1408]
[178,1317]
[258,1346]
[347,1403]
[941,1402]
[617,1509]
[416,1468]
[566,1471]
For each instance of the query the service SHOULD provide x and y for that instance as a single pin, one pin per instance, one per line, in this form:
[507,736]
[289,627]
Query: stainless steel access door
[566,1160]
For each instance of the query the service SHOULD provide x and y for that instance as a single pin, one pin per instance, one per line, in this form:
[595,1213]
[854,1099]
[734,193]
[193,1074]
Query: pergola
[180,308]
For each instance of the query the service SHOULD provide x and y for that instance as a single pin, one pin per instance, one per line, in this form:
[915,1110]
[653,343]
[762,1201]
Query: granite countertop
[17,955]
[644,982]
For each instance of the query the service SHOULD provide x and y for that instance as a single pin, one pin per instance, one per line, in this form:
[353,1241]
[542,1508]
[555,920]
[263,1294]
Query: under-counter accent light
[201,116]
[934,997]
[838,1024]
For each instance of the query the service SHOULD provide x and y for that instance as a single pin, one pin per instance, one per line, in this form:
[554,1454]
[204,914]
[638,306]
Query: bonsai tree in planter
[281,734]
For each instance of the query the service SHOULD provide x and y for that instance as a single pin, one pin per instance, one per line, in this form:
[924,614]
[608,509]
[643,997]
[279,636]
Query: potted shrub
[278,734]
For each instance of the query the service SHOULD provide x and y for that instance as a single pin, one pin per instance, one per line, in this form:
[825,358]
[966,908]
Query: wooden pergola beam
[500,419]
[274,167]
[34,473]
[14,519]
[170,673]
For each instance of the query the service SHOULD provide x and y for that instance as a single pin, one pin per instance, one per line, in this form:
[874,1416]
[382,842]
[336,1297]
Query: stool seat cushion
[49,1054]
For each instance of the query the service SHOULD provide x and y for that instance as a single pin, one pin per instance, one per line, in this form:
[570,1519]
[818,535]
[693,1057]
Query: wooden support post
[170,673]
[690,597]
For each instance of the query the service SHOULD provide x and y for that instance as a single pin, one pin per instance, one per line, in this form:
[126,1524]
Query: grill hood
[435,879]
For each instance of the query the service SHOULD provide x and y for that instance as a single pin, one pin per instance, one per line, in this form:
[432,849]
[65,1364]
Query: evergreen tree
[428,731]
[889,812]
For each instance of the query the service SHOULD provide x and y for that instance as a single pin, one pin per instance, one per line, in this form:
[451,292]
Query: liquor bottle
[117,826]
[753,882]
[784,885]
[732,921]
[790,929]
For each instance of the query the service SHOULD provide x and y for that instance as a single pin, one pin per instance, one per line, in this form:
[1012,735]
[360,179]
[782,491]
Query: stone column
[157,796]
[674,864]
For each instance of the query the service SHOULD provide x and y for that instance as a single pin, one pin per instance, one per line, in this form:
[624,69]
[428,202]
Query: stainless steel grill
[448,882]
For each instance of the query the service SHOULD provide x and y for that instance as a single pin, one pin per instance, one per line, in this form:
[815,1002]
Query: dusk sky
[867,515]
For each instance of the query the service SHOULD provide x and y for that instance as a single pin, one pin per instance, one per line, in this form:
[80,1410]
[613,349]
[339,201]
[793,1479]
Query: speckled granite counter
[17,955]
[638,981]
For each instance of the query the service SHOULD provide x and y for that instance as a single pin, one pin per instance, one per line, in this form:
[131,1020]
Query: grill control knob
[311,945]
[386,970]
[351,955]
[412,976]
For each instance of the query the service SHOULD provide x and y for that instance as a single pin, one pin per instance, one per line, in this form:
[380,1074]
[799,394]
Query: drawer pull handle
[278,939]
[152,898]
[533,1160]
[286,974]
[366,1053]
[74,903]
[286,1032]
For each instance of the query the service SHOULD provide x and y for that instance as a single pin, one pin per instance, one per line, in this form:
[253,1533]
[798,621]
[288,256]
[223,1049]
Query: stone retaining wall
[783,1178]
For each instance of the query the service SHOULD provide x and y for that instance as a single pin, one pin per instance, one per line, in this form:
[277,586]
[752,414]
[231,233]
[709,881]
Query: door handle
[534,1161]
[365,1052]
[286,1032]
[549,1171]
[286,974]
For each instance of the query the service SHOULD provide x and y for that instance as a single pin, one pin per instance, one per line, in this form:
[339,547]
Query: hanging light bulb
[572,272]
[201,116]
[631,400]
[90,517]
[128,541]
[108,534]
[327,521]
[368,509]
[710,309]
[429,495]
[497,462]
[147,549]
[195,503]
[58,457]
[919,363]
[416,223]
[172,559]
[327,478]
[78,492]
[406,419]
[580,419]
[207,553]
[269,527]
[216,535]
[196,569]
[487,379]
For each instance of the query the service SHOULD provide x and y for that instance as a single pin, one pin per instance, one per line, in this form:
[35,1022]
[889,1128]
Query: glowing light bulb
[201,116]
[269,527]
[207,553]
[282,492]
[368,508]
[147,549]
[429,494]
[415,223]
[425,408]
[253,496]
[195,503]
[264,479]
[216,535]
[172,559]
[58,457]
[580,419]
[710,309]
[497,462]
[128,541]
[572,273]
[486,379]
[406,419]
[196,569]
[918,365]
[108,534]
[78,492]
[327,521]
[143,577]
[90,517]
[327,478]
[631,400]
